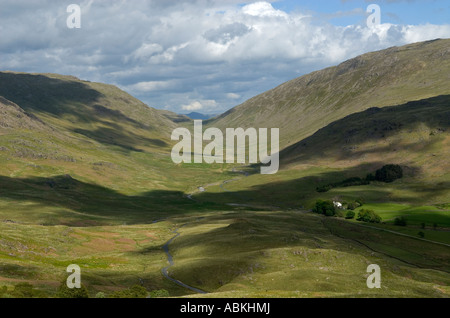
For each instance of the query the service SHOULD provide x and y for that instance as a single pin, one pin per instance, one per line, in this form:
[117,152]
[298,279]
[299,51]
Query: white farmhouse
[338,205]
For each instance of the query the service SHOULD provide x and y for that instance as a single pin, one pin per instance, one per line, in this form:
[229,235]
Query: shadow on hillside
[80,104]
[299,192]
[343,137]
[216,257]
[108,206]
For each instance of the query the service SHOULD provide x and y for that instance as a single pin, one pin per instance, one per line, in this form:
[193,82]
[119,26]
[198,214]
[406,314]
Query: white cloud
[150,86]
[263,9]
[211,53]
[233,96]
[199,105]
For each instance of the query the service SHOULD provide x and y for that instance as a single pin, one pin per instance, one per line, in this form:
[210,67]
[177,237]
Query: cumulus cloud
[206,55]
[199,105]
[233,96]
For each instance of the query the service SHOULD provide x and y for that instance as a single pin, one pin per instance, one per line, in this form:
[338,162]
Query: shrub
[325,207]
[368,216]
[66,292]
[134,292]
[3,291]
[100,295]
[350,182]
[389,173]
[401,221]
[350,215]
[340,213]
[324,188]
[353,205]
[159,293]
[421,234]
[26,290]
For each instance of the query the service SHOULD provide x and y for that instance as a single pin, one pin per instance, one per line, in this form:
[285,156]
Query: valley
[87,178]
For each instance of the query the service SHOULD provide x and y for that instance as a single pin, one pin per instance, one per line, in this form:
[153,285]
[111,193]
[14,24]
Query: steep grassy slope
[97,111]
[86,178]
[297,254]
[415,135]
[304,105]
[14,117]
[55,129]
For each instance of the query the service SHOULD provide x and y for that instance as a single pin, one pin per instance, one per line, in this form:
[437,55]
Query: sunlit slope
[100,112]
[53,126]
[386,78]
[415,135]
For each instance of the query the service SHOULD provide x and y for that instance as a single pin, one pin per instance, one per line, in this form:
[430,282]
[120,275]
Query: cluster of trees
[328,208]
[350,182]
[136,291]
[388,174]
[368,216]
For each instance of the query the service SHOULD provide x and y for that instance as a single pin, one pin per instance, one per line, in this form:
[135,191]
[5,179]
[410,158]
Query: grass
[293,254]
[228,254]
[85,171]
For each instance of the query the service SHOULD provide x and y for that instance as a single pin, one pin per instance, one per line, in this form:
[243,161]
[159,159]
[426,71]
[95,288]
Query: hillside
[304,105]
[86,178]
[97,111]
[14,117]
[53,125]
[416,134]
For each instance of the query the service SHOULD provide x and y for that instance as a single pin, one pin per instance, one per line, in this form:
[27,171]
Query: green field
[253,248]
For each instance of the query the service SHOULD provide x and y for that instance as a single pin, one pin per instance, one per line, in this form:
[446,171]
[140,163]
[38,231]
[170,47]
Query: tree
[368,216]
[66,292]
[325,207]
[159,293]
[136,291]
[389,173]
[100,295]
[353,205]
[401,221]
[350,215]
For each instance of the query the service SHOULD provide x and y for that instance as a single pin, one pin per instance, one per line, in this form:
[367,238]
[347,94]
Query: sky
[205,55]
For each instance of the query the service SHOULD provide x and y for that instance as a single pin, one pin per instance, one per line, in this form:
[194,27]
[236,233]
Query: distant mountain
[199,116]
[304,105]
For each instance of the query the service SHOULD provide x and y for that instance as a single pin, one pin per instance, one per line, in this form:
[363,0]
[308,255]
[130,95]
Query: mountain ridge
[302,106]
